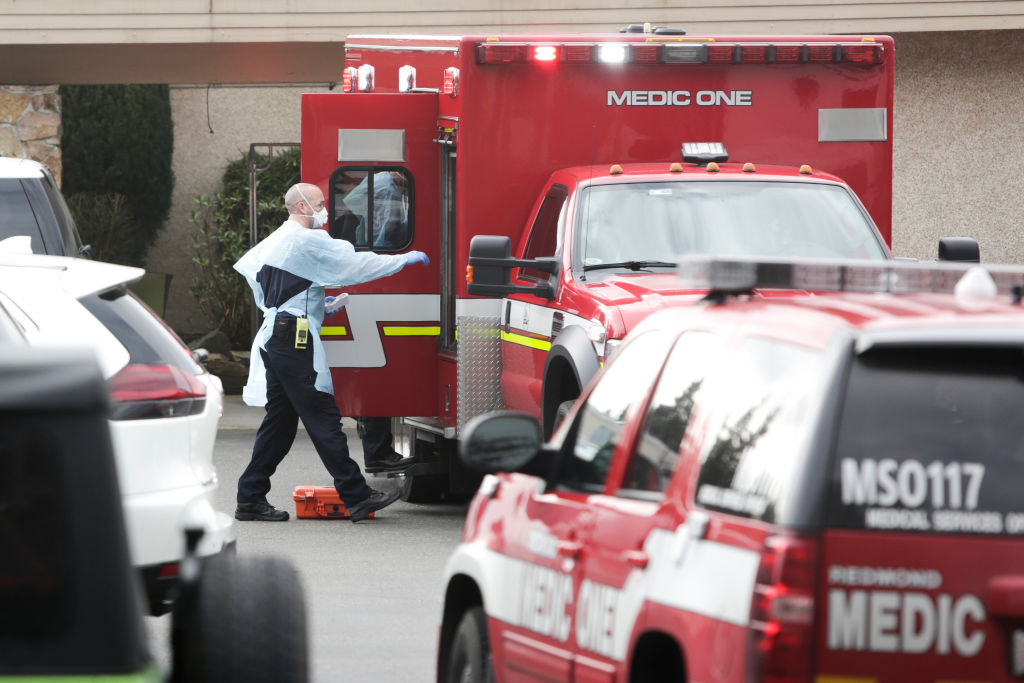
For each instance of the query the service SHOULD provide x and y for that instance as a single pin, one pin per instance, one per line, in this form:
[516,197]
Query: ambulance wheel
[245,622]
[471,660]
[424,488]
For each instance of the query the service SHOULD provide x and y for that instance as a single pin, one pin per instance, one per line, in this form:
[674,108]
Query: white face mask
[319,217]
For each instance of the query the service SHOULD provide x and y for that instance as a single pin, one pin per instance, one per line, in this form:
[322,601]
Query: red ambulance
[584,165]
[764,488]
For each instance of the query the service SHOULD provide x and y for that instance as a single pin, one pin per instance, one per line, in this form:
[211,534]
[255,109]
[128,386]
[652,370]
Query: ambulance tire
[246,623]
[471,660]
[424,488]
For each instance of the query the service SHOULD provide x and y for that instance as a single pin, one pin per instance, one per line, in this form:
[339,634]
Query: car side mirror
[491,264]
[200,355]
[500,442]
[962,249]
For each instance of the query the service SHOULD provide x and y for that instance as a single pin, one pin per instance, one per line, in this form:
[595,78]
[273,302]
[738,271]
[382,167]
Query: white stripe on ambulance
[365,349]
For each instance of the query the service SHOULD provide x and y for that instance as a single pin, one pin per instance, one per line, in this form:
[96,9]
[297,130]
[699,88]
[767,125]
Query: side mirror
[500,442]
[200,355]
[491,264]
[963,249]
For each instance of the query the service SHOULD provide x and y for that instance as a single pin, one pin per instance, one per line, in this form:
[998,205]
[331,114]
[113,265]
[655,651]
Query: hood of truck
[627,298]
[633,296]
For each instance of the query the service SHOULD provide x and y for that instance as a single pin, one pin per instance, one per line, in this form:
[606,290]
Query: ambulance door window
[372,207]
[654,459]
[545,236]
[614,400]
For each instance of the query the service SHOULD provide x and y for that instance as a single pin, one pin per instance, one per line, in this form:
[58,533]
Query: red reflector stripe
[720,54]
[579,54]
[821,53]
[754,54]
[787,54]
[501,54]
[645,54]
[863,54]
[169,570]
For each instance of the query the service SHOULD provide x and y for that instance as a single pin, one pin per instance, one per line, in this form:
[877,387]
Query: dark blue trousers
[377,438]
[291,395]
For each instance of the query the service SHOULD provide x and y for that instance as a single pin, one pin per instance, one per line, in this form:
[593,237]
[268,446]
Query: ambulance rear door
[376,158]
[923,555]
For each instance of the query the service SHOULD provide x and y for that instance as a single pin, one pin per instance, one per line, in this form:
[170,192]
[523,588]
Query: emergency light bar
[666,51]
[739,275]
[704,152]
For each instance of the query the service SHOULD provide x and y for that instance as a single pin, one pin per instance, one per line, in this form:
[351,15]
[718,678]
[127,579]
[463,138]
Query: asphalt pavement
[373,590]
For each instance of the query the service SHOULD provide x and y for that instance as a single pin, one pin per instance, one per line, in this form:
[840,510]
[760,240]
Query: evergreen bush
[103,221]
[222,237]
[119,139]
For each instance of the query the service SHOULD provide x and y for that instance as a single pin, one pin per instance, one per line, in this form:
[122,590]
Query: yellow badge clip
[301,332]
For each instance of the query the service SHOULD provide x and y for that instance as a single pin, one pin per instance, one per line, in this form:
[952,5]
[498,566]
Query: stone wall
[30,124]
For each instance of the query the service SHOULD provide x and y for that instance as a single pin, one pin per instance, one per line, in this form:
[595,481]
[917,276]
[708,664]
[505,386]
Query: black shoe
[259,512]
[391,462]
[377,500]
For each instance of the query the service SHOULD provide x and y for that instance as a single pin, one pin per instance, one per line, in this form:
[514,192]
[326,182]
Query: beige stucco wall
[959,117]
[959,133]
[237,117]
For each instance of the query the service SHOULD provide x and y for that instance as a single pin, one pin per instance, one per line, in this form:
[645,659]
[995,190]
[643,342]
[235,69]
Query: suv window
[943,465]
[16,216]
[148,339]
[654,460]
[34,206]
[372,207]
[754,443]
[65,223]
[600,421]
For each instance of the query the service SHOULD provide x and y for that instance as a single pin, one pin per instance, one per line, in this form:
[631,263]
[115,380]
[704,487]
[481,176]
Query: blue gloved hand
[334,303]
[412,257]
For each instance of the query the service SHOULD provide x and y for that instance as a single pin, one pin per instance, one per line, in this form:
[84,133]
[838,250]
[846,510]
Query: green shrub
[222,237]
[103,220]
[120,139]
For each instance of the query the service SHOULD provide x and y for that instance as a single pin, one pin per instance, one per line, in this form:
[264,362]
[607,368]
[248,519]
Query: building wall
[212,127]
[30,124]
[959,132]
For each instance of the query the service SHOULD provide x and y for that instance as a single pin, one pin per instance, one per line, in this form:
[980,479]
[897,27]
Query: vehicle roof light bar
[702,51]
[739,275]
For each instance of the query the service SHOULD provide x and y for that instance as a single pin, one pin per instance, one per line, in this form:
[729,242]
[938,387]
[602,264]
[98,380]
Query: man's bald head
[302,193]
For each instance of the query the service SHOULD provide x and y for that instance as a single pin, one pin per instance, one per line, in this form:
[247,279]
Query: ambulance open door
[376,159]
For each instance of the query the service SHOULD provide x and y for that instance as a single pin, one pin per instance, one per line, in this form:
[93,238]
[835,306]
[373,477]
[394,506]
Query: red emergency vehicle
[764,488]
[568,152]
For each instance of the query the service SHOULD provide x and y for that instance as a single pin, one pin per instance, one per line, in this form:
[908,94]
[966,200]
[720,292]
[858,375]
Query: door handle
[570,548]
[636,558]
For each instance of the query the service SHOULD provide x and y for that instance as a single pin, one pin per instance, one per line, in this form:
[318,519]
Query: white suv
[164,405]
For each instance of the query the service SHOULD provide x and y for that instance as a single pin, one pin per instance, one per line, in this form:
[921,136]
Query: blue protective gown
[326,262]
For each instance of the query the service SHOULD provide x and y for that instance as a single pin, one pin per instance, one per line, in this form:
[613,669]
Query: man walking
[288,370]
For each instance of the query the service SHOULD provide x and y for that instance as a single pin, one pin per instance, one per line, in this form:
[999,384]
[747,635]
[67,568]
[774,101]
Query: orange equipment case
[319,502]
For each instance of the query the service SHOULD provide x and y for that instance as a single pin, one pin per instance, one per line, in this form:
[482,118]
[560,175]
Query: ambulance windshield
[653,223]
